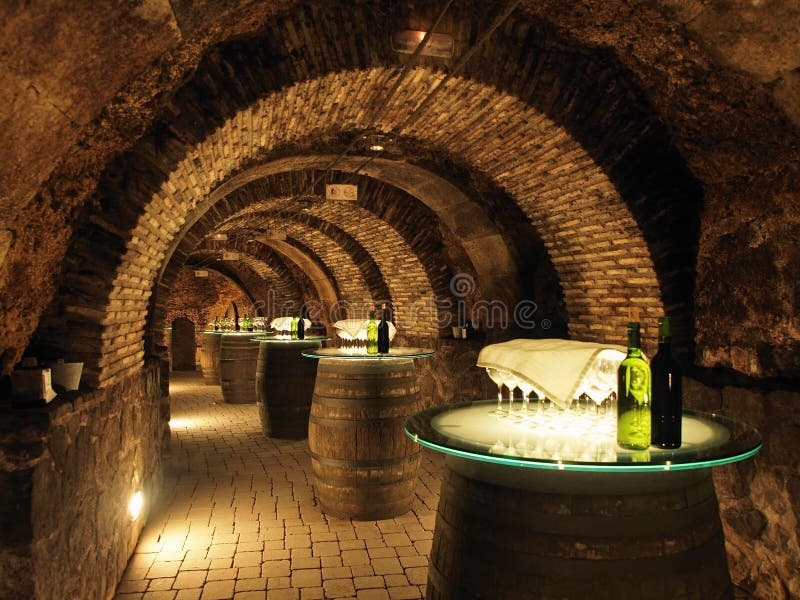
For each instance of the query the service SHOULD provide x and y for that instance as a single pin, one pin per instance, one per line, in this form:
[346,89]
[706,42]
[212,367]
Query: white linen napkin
[557,368]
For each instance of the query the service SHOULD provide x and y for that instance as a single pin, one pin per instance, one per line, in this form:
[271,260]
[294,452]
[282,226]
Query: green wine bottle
[372,334]
[294,328]
[633,396]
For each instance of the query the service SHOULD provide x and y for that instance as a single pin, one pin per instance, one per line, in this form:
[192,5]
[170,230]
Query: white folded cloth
[285,323]
[356,329]
[560,369]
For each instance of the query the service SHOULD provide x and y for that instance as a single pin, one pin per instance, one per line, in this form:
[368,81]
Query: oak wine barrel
[493,540]
[238,355]
[209,357]
[284,387]
[364,465]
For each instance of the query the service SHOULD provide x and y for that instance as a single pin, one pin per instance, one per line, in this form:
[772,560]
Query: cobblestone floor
[238,519]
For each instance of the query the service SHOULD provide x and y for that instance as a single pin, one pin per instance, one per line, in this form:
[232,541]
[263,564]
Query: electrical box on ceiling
[341,191]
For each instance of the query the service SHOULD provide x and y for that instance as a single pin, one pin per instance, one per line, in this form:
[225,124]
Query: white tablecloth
[557,368]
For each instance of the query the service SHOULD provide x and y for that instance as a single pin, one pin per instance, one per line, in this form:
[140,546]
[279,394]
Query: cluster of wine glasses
[512,381]
[353,345]
[593,406]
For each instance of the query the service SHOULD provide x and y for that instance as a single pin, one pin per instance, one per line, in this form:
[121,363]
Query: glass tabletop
[230,332]
[288,341]
[348,354]
[574,442]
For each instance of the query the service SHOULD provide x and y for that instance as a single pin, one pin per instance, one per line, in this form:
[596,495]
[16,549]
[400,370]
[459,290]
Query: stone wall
[759,498]
[72,468]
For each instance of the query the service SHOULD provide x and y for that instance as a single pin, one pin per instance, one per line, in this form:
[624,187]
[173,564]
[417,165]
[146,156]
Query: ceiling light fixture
[376,141]
[439,45]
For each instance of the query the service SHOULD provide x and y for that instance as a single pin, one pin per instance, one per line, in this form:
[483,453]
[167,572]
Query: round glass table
[538,506]
[364,465]
[284,384]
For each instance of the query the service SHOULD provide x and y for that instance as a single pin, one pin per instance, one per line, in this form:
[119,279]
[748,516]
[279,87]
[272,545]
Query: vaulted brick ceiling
[601,128]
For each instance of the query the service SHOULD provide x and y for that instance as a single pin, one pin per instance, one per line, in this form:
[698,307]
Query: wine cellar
[272,271]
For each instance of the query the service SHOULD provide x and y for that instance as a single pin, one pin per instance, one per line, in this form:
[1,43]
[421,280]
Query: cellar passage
[536,172]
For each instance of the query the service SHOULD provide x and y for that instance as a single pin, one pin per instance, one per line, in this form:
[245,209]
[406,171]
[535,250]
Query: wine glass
[601,381]
[526,388]
[497,376]
[512,382]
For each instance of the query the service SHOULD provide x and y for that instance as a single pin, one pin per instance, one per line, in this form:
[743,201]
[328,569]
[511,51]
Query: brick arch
[582,274]
[406,282]
[581,88]
[397,231]
[409,224]
[305,247]
[539,105]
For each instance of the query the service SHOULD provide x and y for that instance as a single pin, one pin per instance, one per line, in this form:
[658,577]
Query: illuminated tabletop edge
[250,333]
[278,340]
[744,442]
[393,354]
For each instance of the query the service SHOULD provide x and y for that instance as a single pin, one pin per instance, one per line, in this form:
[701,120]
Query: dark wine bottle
[633,395]
[383,331]
[301,325]
[666,410]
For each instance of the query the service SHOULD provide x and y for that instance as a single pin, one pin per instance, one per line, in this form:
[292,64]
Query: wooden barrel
[284,387]
[209,357]
[493,540]
[238,355]
[364,465]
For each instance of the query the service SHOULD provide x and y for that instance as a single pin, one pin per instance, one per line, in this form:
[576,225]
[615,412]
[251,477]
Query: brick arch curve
[307,240]
[538,70]
[406,281]
[607,225]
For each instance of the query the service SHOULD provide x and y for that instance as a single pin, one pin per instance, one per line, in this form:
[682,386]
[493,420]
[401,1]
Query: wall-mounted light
[201,273]
[440,45]
[135,505]
[219,237]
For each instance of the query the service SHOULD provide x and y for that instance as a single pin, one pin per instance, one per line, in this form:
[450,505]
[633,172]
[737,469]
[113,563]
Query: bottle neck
[634,340]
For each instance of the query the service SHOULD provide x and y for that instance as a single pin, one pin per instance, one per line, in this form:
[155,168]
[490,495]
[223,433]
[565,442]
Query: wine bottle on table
[293,331]
[633,395]
[383,331]
[666,410]
[372,334]
[301,325]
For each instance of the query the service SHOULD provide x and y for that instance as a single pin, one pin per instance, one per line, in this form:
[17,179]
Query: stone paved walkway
[238,519]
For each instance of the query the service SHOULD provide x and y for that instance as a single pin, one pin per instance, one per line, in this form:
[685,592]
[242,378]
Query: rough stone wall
[759,498]
[80,460]
[450,376]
